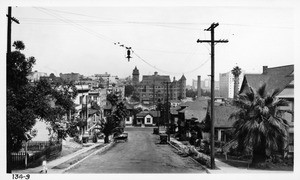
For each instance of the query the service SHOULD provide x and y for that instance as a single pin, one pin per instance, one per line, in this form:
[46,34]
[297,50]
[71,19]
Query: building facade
[226,84]
[153,88]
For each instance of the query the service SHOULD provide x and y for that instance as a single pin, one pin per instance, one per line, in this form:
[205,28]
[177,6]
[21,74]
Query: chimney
[199,87]
[265,69]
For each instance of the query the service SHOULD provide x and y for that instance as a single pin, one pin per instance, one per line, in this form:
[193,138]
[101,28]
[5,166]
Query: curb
[93,153]
[205,168]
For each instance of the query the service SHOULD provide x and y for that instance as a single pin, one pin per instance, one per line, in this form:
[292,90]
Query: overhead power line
[169,72]
[68,21]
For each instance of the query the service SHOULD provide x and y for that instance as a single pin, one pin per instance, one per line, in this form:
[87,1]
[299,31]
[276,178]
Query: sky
[84,40]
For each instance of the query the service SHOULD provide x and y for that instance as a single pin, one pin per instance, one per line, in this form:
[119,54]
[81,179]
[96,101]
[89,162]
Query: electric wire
[110,40]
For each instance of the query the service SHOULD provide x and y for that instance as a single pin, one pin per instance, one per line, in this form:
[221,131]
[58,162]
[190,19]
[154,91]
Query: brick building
[153,88]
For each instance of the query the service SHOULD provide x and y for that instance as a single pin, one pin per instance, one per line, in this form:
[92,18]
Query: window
[148,120]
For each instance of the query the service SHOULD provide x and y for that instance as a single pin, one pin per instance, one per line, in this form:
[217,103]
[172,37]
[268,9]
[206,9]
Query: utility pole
[8,53]
[168,111]
[212,130]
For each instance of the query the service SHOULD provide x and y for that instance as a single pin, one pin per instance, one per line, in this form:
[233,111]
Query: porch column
[219,134]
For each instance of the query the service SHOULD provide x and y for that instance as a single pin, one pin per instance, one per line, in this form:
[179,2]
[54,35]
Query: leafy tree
[191,93]
[258,126]
[135,112]
[115,123]
[236,71]
[129,89]
[135,98]
[27,101]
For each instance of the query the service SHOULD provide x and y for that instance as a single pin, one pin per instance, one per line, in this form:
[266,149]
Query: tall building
[135,76]
[226,81]
[153,87]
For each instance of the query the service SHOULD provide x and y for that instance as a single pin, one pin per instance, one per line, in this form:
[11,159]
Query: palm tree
[258,125]
[236,71]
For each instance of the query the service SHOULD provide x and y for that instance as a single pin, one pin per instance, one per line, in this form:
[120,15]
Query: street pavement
[142,153]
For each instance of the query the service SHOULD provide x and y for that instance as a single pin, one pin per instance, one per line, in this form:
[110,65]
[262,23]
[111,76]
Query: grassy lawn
[66,150]
[235,162]
[77,158]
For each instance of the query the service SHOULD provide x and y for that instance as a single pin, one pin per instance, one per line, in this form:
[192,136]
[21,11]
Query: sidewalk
[60,160]
[222,168]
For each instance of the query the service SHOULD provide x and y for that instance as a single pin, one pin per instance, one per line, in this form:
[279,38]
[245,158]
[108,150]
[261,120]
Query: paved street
[141,154]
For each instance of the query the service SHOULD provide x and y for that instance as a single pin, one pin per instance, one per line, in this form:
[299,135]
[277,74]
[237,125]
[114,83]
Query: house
[188,113]
[82,102]
[129,118]
[281,78]
[193,110]
[222,121]
[147,118]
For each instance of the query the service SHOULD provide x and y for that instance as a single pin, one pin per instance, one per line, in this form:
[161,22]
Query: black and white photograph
[200,88]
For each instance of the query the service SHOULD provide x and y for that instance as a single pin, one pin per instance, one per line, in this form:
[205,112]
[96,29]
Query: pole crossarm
[212,44]
[13,19]
[209,41]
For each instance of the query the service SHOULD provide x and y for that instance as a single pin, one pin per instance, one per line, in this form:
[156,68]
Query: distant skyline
[163,39]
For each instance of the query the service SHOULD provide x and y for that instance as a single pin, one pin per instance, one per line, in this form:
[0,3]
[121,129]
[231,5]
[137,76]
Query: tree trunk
[236,87]
[106,139]
[259,157]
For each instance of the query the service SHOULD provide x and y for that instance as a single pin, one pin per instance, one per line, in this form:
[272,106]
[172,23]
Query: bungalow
[147,118]
[188,113]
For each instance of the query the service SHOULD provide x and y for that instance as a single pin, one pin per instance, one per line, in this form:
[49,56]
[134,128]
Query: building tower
[135,76]
[182,87]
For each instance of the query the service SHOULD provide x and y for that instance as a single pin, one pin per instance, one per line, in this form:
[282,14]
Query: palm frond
[275,92]
[262,90]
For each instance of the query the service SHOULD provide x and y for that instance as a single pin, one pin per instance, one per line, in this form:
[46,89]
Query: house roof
[196,109]
[194,105]
[222,114]
[145,113]
[157,79]
[195,114]
[275,78]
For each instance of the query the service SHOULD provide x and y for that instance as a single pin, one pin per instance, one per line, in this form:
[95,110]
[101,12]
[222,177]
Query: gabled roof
[281,70]
[222,114]
[275,78]
[145,113]
[194,110]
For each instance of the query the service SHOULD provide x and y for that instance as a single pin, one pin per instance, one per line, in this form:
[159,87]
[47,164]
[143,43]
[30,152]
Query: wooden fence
[48,153]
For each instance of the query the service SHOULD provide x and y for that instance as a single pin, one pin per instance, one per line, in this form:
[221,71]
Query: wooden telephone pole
[8,53]
[168,110]
[212,130]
